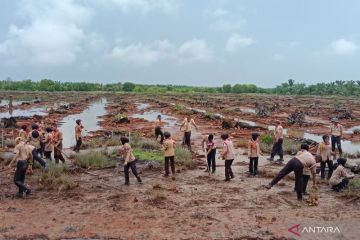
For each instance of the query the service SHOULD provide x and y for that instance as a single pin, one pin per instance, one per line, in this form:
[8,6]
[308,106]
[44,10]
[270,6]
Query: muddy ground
[192,206]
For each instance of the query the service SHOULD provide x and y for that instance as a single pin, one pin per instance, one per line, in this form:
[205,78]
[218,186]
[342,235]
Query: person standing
[324,150]
[158,129]
[58,145]
[187,127]
[209,147]
[23,159]
[253,154]
[128,157]
[169,154]
[49,145]
[23,134]
[228,154]
[340,179]
[78,135]
[34,139]
[304,159]
[278,144]
[336,131]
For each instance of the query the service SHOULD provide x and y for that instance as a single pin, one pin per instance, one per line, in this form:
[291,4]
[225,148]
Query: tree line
[339,87]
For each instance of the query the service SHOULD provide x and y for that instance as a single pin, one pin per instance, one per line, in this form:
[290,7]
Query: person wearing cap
[278,144]
[24,160]
[336,131]
[304,159]
[78,135]
[158,130]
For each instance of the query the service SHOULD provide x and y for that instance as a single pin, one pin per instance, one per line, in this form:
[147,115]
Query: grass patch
[93,160]
[183,157]
[242,143]
[353,189]
[55,178]
[146,144]
[290,146]
[143,155]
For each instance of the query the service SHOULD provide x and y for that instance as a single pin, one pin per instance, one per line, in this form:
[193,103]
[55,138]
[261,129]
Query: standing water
[89,119]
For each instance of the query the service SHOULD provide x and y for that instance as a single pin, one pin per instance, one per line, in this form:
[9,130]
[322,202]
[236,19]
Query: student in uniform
[127,155]
[336,131]
[58,146]
[228,155]
[158,129]
[324,150]
[23,160]
[302,160]
[78,135]
[49,146]
[253,154]
[340,178]
[209,147]
[35,141]
[169,154]
[23,134]
[187,125]
[278,144]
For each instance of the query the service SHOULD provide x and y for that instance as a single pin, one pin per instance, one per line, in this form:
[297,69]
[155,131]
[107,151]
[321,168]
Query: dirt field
[194,205]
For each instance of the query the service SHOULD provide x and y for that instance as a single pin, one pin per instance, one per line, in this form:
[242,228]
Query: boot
[139,179]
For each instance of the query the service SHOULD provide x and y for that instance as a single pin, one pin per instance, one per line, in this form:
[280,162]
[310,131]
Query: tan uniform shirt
[338,175]
[279,132]
[336,130]
[324,150]
[253,149]
[188,125]
[158,123]
[23,135]
[126,153]
[169,148]
[228,152]
[22,151]
[34,141]
[307,160]
[49,146]
[78,132]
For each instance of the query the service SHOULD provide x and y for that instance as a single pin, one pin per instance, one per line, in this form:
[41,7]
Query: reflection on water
[142,106]
[247,110]
[347,146]
[152,115]
[5,102]
[89,120]
[24,113]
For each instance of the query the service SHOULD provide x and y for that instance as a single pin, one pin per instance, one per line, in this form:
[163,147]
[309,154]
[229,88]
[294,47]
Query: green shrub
[183,156]
[142,155]
[353,189]
[266,139]
[92,159]
[146,144]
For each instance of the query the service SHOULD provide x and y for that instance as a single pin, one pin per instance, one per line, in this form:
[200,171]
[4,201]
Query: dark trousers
[158,132]
[253,165]
[169,161]
[278,149]
[322,168]
[37,158]
[305,183]
[42,149]
[58,155]
[131,165]
[211,163]
[341,185]
[187,141]
[78,145]
[19,176]
[296,166]
[48,155]
[228,171]
[336,142]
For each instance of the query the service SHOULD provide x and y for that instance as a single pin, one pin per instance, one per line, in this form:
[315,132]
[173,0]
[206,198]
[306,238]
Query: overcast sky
[191,42]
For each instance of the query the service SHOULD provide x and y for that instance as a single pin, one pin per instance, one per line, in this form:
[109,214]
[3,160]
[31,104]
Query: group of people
[41,144]
[44,141]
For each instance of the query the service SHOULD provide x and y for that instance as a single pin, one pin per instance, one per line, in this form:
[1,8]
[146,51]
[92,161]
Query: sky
[180,42]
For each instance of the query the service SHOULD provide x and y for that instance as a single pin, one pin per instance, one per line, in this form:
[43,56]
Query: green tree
[226,88]
[128,87]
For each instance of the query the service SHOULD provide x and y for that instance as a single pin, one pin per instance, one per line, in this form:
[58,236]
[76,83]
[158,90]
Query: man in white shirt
[186,126]
[279,138]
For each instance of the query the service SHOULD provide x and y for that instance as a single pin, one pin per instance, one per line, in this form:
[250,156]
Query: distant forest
[340,87]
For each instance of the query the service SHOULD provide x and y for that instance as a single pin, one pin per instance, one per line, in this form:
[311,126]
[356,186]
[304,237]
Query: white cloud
[195,50]
[227,25]
[146,54]
[236,41]
[145,6]
[343,47]
[53,36]
[219,12]
[142,54]
[278,57]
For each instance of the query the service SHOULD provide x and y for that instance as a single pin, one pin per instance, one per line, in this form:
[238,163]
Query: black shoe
[227,179]
[267,186]
[280,160]
[300,199]
[28,192]
[19,195]
[213,171]
[166,175]
[207,170]
[232,176]
[270,159]
[305,193]
[126,183]
[139,179]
